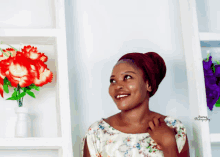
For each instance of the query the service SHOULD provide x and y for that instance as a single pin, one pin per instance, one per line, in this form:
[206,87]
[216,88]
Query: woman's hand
[163,135]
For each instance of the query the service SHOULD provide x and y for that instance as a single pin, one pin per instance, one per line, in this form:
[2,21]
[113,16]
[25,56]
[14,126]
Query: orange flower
[32,53]
[24,68]
[1,86]
[11,50]
[16,70]
[42,74]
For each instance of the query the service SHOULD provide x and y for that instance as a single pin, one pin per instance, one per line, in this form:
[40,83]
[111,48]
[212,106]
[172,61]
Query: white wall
[99,33]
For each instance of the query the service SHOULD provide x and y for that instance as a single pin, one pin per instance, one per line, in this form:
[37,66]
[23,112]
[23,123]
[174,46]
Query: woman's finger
[159,147]
[161,120]
[149,130]
[156,122]
[151,125]
[174,130]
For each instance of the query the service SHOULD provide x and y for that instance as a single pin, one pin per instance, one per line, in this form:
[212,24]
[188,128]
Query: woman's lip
[123,97]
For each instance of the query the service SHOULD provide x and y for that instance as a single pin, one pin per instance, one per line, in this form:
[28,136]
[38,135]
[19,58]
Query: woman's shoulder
[96,126]
[158,115]
[168,118]
[93,127]
[174,123]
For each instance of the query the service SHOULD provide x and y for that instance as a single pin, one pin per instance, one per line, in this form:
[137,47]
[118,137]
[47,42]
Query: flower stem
[19,101]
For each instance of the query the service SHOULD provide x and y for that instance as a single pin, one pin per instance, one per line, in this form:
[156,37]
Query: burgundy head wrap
[152,66]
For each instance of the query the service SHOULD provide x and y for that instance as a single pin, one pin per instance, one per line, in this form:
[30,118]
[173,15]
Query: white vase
[21,128]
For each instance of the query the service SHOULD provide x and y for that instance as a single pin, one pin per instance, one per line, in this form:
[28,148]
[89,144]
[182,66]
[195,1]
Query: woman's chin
[123,107]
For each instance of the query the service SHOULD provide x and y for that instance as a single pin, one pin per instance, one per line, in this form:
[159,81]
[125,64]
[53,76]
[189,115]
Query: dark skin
[135,116]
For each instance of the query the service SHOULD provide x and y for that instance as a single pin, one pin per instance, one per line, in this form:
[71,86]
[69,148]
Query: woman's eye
[125,77]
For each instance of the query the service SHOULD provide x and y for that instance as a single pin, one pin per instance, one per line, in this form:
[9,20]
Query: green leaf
[30,93]
[18,97]
[5,87]
[217,105]
[37,88]
[213,68]
[24,88]
[12,98]
[33,86]
[6,81]
[9,45]
[208,57]
[3,52]
[15,93]
[21,95]
[10,53]
[9,83]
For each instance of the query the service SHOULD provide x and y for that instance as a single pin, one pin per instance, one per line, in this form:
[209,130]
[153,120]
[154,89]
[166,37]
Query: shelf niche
[43,119]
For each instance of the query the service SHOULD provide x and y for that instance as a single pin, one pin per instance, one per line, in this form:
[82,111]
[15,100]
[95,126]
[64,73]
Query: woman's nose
[120,85]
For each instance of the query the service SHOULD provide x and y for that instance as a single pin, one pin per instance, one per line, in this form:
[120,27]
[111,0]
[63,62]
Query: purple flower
[212,89]
[212,95]
[207,65]
[217,70]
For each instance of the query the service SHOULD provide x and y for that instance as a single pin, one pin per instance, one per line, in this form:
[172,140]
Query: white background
[98,34]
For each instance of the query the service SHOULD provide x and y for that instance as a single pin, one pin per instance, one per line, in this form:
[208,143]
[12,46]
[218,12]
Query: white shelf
[30,143]
[205,36]
[215,138]
[56,37]
[30,32]
[30,36]
[29,40]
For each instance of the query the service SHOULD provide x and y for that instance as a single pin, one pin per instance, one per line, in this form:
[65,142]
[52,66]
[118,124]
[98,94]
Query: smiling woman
[136,131]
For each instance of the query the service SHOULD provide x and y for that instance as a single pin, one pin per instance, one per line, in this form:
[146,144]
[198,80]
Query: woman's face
[128,79]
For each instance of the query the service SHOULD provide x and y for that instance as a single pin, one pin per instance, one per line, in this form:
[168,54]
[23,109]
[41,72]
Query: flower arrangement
[24,70]
[212,82]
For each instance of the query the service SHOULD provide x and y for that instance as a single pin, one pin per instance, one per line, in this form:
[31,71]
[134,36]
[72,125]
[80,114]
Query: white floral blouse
[105,141]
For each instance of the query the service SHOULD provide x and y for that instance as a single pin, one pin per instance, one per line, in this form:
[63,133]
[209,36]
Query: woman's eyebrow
[124,73]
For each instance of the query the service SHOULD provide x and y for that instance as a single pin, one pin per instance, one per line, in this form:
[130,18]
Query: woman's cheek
[131,86]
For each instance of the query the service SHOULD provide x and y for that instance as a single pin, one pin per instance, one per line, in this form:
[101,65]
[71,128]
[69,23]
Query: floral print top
[105,141]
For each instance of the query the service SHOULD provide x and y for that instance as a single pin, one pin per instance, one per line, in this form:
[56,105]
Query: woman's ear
[148,87]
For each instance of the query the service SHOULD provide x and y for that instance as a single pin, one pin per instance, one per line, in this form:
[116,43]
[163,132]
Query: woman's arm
[173,151]
[185,151]
[86,150]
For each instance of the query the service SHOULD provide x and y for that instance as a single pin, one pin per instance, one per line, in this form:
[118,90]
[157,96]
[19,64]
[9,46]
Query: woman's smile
[123,98]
